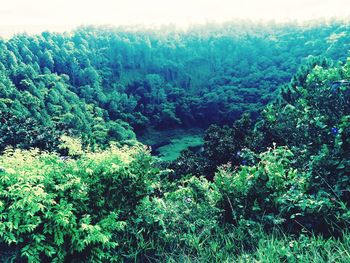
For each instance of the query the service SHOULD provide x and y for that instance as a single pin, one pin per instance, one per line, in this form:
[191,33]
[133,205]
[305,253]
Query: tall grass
[274,248]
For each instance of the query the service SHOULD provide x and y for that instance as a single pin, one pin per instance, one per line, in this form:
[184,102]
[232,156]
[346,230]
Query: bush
[184,218]
[59,209]
[273,193]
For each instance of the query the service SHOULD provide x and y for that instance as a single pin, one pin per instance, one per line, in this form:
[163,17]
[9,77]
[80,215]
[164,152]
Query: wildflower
[335,130]
[188,200]
[63,158]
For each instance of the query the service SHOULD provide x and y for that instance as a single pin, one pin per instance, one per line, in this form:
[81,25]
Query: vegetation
[269,184]
[98,83]
[168,144]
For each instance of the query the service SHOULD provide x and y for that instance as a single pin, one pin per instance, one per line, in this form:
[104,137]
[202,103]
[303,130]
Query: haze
[34,16]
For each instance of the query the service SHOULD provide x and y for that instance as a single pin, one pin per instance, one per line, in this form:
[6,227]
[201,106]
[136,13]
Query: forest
[222,143]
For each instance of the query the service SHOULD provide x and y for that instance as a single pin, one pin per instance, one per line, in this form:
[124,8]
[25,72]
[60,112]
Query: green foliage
[190,207]
[71,146]
[302,249]
[285,169]
[21,132]
[184,217]
[270,191]
[301,185]
[168,144]
[270,248]
[58,209]
[310,117]
[92,81]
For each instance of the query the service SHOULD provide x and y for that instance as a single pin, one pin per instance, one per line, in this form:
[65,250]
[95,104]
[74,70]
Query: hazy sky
[38,15]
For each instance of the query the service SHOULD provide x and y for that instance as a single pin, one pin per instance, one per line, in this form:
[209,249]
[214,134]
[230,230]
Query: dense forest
[100,83]
[268,182]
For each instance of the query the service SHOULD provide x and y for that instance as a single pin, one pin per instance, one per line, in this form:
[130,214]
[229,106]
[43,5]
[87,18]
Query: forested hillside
[97,82]
[270,184]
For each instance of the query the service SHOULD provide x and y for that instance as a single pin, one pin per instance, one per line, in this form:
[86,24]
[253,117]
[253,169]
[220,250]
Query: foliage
[274,193]
[302,249]
[183,217]
[271,248]
[90,83]
[269,187]
[56,209]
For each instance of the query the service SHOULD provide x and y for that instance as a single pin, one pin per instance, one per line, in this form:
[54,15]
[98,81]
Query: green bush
[58,209]
[184,218]
[272,192]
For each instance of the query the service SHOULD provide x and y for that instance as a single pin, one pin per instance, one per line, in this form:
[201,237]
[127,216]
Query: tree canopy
[101,83]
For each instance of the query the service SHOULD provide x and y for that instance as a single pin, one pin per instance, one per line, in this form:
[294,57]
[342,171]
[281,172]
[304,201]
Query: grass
[270,249]
[177,141]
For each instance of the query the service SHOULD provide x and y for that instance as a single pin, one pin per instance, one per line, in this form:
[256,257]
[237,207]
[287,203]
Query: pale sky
[34,16]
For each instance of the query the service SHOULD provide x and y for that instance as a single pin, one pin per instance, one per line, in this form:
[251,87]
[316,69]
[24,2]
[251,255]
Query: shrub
[59,209]
[184,218]
[274,193]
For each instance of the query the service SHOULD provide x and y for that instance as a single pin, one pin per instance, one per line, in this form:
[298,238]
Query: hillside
[251,125]
[98,83]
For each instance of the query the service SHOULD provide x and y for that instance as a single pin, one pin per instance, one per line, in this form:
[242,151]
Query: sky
[34,16]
